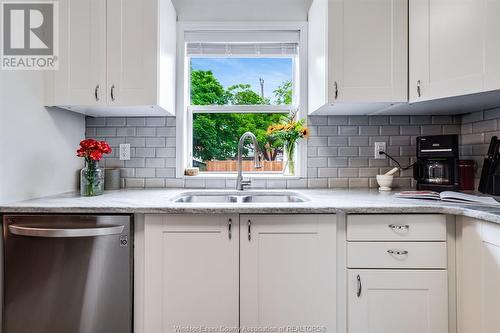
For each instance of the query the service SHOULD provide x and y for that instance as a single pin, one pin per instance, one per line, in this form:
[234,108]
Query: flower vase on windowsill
[289,160]
[92,176]
[289,131]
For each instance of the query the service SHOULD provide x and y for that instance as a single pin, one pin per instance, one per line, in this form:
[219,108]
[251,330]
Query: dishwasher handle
[66,233]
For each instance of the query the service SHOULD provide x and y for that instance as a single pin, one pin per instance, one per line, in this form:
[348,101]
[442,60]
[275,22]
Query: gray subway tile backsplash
[340,148]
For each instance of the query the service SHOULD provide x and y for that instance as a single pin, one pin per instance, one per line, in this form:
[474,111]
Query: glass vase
[91,179]
[289,159]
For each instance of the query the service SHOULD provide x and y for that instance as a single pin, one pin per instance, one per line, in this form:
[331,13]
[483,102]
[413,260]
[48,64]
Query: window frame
[185,110]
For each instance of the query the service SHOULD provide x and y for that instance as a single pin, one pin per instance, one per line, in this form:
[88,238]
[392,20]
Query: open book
[449,196]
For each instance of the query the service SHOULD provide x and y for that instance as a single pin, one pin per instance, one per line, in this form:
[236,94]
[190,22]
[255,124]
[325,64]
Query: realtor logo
[29,35]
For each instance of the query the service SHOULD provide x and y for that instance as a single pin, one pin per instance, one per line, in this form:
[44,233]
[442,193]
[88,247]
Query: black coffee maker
[436,168]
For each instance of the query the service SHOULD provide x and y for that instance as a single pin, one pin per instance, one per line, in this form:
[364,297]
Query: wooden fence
[231,165]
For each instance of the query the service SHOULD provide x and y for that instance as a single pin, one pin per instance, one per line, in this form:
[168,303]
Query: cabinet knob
[419,89]
[336,89]
[96,93]
[113,92]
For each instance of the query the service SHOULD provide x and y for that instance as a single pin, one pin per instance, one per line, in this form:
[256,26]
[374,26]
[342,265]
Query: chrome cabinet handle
[65,233]
[96,93]
[249,230]
[113,92]
[399,226]
[336,89]
[398,252]
[229,227]
[360,287]
[419,89]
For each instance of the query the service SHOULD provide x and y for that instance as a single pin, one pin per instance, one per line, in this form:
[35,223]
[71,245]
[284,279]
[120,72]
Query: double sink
[239,197]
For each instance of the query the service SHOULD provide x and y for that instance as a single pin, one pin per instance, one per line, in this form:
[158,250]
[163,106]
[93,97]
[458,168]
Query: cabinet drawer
[396,255]
[396,227]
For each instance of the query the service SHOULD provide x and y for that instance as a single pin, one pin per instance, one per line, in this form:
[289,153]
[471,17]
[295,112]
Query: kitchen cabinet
[410,301]
[446,48]
[117,57]
[288,271]
[478,276]
[397,273]
[357,53]
[454,48]
[190,272]
[218,270]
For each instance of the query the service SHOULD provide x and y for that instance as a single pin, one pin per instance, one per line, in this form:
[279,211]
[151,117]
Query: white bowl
[385,182]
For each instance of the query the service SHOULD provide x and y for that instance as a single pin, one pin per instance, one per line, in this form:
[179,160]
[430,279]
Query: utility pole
[261,81]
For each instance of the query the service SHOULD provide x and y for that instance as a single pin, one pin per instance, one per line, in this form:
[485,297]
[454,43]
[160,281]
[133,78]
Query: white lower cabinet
[190,272]
[478,276]
[288,271]
[216,273]
[397,301]
[398,285]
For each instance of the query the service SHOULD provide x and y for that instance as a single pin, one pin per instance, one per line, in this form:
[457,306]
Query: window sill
[245,175]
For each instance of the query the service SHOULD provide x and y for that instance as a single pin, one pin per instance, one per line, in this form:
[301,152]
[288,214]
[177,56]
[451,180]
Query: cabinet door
[396,301]
[492,45]
[287,271]
[368,50]
[81,78]
[478,276]
[191,272]
[132,52]
[446,48]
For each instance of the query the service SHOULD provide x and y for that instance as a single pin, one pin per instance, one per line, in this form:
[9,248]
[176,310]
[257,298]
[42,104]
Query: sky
[231,71]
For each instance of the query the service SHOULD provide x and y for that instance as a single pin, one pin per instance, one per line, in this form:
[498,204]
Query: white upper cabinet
[446,48]
[117,57]
[492,45]
[81,78]
[357,52]
[454,48]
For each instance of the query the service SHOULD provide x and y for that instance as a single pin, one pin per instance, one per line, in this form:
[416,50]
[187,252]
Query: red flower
[92,149]
[95,155]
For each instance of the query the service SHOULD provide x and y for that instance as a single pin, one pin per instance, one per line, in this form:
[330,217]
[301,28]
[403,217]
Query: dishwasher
[67,274]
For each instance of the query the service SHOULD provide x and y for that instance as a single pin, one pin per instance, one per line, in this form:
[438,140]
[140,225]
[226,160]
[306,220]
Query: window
[239,81]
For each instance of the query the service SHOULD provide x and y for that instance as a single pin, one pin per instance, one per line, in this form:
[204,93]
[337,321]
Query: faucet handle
[246,182]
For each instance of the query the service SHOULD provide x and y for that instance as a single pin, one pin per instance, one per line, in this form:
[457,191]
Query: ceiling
[242,10]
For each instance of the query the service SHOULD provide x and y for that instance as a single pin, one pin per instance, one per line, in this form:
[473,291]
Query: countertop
[321,201]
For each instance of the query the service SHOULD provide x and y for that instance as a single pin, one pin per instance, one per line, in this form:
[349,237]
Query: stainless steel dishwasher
[67,274]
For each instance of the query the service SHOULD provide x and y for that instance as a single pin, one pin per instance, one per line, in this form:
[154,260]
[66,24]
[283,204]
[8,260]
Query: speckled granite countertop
[321,201]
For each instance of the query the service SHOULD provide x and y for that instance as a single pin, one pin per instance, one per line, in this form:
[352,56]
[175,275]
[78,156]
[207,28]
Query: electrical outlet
[124,151]
[379,146]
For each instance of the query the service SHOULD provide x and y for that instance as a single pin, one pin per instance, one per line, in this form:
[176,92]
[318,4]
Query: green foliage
[206,89]
[216,135]
[283,93]
[242,94]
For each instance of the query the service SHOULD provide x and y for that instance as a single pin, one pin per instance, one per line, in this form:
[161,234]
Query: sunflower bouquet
[289,131]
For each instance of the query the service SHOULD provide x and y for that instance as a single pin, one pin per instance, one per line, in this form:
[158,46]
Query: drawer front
[396,255]
[396,227]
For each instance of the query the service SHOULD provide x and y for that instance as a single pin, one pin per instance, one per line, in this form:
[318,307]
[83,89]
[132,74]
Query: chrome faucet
[240,182]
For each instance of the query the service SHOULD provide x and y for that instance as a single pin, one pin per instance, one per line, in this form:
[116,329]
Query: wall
[37,145]
[242,10]
[340,150]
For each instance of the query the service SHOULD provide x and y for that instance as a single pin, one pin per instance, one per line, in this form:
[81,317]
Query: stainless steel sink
[239,197]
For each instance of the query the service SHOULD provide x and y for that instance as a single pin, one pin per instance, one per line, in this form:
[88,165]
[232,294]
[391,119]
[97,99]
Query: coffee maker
[436,168]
